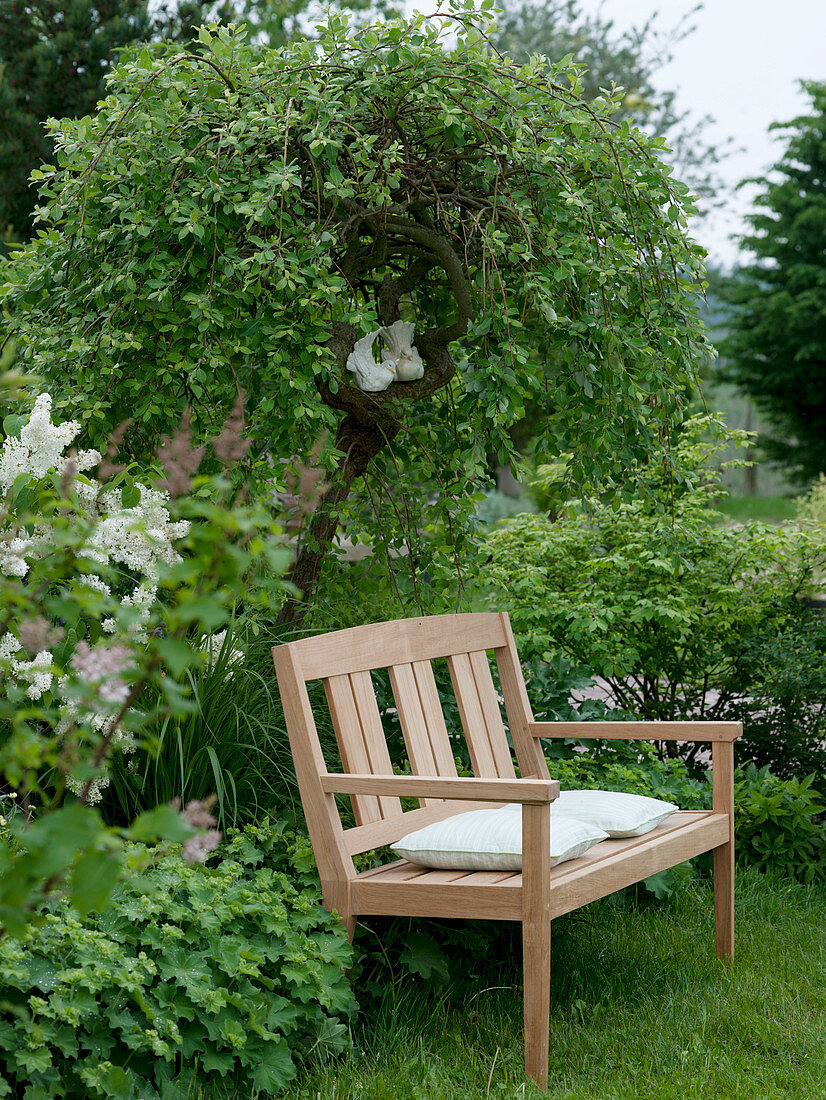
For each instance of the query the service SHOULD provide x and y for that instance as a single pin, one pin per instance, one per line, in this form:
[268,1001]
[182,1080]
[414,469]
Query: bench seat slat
[397,889]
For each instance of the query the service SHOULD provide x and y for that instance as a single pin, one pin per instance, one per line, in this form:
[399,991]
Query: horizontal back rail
[640,731]
[378,645]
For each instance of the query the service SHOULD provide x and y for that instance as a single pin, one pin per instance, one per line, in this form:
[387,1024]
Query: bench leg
[336,899]
[536,938]
[536,966]
[724,901]
[722,780]
[349,923]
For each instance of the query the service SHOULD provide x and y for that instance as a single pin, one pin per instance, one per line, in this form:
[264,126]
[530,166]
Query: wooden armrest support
[527,791]
[640,731]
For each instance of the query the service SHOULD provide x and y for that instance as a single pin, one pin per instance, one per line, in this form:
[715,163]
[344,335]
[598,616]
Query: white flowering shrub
[126,544]
[108,585]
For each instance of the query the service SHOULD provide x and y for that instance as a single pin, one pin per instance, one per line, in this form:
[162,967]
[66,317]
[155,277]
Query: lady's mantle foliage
[226,213]
[233,969]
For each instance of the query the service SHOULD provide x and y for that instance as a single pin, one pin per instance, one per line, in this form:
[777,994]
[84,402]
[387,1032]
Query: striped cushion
[491,840]
[618,814]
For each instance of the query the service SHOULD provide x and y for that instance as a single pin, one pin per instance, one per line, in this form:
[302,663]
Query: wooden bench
[537,894]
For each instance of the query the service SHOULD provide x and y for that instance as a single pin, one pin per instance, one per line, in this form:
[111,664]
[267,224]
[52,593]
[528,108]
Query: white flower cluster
[138,537]
[40,447]
[37,673]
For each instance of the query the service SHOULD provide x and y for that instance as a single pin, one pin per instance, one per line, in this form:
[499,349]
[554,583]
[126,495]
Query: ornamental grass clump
[234,973]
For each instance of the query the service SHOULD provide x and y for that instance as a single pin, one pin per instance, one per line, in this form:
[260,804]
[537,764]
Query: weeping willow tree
[236,220]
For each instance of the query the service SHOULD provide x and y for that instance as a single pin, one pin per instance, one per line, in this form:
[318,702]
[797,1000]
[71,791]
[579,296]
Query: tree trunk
[360,443]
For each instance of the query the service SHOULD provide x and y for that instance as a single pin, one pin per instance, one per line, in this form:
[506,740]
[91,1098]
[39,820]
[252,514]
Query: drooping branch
[384,225]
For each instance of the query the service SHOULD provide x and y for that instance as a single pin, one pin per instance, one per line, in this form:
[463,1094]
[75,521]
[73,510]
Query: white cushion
[491,840]
[618,814]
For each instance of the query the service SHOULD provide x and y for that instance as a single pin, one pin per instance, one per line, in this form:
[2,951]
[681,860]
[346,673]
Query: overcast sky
[742,65]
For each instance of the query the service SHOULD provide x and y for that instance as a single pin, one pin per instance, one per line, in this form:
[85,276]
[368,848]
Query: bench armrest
[640,731]
[526,791]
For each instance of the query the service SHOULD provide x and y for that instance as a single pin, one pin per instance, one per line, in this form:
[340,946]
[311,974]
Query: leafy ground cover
[640,1007]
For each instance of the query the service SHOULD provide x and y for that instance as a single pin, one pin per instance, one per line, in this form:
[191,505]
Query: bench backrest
[343,661]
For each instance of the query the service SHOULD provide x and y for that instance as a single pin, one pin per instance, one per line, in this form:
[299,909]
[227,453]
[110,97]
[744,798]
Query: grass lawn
[639,1008]
[766,509]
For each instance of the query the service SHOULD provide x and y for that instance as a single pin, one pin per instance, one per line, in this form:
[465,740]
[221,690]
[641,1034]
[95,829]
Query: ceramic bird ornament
[372,377]
[400,360]
[400,351]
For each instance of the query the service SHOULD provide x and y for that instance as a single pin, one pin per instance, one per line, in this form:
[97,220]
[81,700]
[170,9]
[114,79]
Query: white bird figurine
[400,352]
[372,377]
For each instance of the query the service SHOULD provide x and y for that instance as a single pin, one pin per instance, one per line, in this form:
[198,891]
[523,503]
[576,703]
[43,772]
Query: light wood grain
[351,744]
[640,731]
[421,896]
[529,753]
[722,785]
[472,716]
[536,938]
[335,865]
[380,645]
[538,894]
[372,733]
[613,864]
[414,786]
[422,721]
[495,727]
[434,718]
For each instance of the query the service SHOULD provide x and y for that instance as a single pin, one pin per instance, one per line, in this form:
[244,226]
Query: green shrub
[653,595]
[779,823]
[783,701]
[231,740]
[811,507]
[235,972]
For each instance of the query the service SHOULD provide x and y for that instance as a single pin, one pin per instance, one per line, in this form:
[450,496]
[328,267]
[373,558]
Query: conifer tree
[776,350]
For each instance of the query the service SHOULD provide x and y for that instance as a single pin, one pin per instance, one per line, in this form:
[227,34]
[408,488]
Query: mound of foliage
[108,586]
[661,600]
[233,971]
[237,217]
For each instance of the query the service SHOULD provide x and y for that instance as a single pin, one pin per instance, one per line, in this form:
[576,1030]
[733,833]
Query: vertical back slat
[475,719]
[373,733]
[422,721]
[529,752]
[493,716]
[351,746]
[434,717]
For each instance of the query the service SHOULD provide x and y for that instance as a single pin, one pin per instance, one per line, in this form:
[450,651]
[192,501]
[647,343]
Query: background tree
[776,350]
[53,60]
[240,219]
[628,59]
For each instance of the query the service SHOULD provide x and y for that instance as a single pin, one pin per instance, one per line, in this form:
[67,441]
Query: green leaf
[93,878]
[276,1068]
[162,823]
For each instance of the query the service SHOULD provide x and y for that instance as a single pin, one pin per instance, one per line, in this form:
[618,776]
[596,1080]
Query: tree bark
[360,443]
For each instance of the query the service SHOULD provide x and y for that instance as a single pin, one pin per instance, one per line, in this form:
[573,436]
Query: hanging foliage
[237,219]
